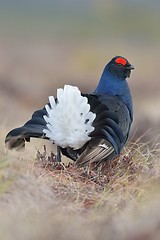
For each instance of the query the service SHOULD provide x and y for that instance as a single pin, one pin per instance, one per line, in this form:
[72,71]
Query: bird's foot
[92,173]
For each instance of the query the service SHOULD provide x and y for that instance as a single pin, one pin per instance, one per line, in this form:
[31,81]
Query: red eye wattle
[121,61]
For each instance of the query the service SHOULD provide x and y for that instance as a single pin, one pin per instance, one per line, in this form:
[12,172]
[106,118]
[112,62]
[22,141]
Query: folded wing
[112,125]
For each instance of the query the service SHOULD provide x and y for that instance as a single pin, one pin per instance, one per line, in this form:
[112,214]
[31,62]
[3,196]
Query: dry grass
[39,200]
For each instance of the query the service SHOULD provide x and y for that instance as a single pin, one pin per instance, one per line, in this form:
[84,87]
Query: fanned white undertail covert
[69,119]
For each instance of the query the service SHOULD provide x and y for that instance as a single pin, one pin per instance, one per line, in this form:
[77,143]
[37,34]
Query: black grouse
[85,127]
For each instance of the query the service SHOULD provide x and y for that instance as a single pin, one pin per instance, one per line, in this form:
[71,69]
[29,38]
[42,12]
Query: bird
[85,127]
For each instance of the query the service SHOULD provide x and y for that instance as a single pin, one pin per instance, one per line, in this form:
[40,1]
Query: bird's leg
[99,170]
[58,155]
[59,164]
[87,170]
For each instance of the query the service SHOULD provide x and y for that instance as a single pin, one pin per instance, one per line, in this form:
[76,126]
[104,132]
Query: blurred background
[47,43]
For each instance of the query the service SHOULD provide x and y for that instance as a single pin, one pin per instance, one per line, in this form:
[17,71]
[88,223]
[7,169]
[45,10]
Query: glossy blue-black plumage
[112,104]
[114,86]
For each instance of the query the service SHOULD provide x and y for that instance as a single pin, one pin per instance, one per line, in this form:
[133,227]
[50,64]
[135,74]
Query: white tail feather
[69,119]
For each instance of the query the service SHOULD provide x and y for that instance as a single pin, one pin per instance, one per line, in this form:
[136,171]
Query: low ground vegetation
[42,200]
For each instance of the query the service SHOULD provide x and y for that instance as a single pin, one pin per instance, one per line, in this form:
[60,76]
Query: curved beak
[131,67]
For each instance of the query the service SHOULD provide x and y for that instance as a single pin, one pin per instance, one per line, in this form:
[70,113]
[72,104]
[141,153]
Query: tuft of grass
[42,200]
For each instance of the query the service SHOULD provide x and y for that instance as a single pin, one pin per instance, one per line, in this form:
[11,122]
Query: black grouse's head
[120,67]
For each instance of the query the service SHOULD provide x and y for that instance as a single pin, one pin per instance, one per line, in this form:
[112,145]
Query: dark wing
[112,125]
[98,150]
[33,128]
[115,105]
